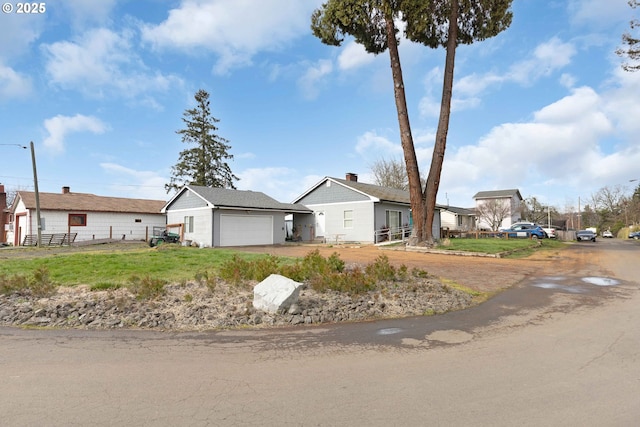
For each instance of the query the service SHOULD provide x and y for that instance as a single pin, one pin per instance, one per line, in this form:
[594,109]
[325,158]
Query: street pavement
[554,350]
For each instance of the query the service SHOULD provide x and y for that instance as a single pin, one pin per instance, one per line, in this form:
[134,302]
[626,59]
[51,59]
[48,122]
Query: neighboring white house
[501,207]
[457,219]
[348,210]
[224,217]
[85,215]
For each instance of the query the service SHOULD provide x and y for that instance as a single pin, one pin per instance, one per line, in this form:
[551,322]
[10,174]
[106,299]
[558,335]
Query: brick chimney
[66,190]
[352,177]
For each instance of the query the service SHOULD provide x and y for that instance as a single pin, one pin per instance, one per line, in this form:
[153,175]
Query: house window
[394,219]
[459,220]
[42,224]
[188,224]
[348,219]
[78,220]
[138,220]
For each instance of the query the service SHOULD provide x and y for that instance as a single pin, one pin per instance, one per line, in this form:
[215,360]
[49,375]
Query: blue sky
[100,88]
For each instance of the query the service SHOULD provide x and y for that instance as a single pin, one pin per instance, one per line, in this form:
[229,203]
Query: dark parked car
[634,235]
[585,235]
[525,230]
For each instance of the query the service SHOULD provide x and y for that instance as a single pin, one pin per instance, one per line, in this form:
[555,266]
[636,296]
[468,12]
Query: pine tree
[204,164]
[631,42]
[372,23]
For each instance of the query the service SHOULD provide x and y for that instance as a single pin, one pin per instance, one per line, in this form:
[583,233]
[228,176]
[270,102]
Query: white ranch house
[84,216]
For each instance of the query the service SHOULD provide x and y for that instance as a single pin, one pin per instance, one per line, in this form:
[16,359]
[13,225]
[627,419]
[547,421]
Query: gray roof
[498,194]
[227,198]
[459,211]
[383,193]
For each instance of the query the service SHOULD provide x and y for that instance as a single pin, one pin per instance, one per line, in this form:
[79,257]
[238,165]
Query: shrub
[39,284]
[147,287]
[9,285]
[381,269]
[203,278]
[235,271]
[264,267]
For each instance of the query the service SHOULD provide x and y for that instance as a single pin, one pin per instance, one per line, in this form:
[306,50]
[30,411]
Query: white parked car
[551,232]
[608,234]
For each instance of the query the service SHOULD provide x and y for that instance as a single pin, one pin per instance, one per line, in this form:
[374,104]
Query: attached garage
[246,230]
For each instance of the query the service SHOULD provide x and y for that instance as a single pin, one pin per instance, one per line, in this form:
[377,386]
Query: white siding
[362,229]
[202,224]
[100,225]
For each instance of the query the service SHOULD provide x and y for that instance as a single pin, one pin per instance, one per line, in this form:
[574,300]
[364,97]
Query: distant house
[348,210]
[498,209]
[457,219]
[86,215]
[223,217]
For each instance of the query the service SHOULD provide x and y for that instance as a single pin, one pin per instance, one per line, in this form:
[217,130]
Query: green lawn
[494,246]
[112,268]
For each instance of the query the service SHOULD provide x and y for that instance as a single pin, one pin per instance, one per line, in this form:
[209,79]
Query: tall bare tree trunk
[433,180]
[406,138]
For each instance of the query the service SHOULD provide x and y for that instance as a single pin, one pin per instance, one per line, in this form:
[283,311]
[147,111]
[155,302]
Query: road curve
[559,349]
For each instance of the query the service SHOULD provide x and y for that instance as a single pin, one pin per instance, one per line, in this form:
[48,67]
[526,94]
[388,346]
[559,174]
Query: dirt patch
[478,273]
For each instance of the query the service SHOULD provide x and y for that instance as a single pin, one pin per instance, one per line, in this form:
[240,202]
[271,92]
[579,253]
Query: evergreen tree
[434,23]
[205,163]
[631,42]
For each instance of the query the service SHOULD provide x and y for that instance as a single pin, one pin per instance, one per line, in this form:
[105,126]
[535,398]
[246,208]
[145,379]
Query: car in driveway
[525,229]
[607,234]
[551,232]
[584,235]
[634,235]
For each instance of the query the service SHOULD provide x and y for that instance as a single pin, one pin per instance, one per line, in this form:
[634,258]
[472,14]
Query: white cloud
[18,32]
[621,102]
[235,31]
[598,14]
[312,79]
[353,56]
[82,13]
[137,184]
[59,127]
[573,143]
[372,145]
[13,85]
[103,61]
[275,182]
[546,58]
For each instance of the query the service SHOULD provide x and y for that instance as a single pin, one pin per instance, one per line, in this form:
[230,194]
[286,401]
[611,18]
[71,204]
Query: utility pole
[35,186]
[579,214]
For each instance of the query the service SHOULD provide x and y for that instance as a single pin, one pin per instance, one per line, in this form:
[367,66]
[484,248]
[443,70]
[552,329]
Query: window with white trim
[348,219]
[188,224]
[394,219]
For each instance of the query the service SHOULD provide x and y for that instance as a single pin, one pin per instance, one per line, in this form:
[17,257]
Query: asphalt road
[560,350]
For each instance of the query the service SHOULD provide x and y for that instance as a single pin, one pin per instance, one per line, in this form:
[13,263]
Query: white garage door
[245,230]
